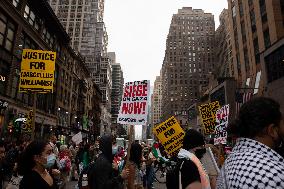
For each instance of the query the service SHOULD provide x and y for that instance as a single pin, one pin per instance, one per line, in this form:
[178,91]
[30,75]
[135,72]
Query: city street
[72,184]
[100,87]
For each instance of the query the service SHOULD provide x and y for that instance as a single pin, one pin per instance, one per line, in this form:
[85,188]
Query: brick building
[31,24]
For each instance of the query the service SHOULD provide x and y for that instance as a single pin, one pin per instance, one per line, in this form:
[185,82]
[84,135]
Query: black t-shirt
[189,174]
[33,180]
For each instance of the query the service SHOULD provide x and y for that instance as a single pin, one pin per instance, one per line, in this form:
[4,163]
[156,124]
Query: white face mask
[50,160]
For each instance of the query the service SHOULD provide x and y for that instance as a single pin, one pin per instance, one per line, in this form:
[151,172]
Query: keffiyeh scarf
[252,165]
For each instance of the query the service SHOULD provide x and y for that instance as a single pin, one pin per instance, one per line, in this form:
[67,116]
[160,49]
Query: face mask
[50,160]
[114,150]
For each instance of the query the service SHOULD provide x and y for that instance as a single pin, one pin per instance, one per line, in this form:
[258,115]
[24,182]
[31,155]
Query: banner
[37,71]
[134,103]
[222,119]
[170,134]
[208,116]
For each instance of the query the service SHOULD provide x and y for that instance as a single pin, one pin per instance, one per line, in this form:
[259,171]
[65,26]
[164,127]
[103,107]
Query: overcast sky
[137,31]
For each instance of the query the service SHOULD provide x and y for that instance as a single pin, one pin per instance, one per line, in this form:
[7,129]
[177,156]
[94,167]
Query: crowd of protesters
[256,161]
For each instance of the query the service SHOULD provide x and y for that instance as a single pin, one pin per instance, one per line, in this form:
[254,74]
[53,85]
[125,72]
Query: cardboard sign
[27,127]
[210,163]
[134,103]
[170,134]
[37,71]
[208,115]
[222,119]
[78,138]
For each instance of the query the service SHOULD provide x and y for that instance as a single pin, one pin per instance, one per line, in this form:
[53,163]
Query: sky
[137,32]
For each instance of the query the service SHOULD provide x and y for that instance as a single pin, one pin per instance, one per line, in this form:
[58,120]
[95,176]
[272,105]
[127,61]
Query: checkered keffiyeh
[252,165]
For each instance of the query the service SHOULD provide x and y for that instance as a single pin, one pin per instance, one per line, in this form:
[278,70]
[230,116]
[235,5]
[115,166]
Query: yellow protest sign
[208,116]
[27,127]
[170,134]
[37,71]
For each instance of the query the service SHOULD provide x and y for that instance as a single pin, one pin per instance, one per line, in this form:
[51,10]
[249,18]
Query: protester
[64,164]
[33,164]
[150,159]
[53,143]
[135,179]
[253,163]
[189,167]
[104,174]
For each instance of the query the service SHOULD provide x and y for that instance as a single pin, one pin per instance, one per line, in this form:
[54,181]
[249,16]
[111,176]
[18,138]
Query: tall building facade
[156,103]
[32,24]
[117,89]
[79,18]
[223,41]
[83,20]
[189,57]
[255,27]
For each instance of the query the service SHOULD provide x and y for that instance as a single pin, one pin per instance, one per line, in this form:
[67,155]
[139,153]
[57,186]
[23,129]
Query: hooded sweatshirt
[102,175]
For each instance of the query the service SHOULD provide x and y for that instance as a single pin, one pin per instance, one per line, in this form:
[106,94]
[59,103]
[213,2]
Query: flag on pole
[242,98]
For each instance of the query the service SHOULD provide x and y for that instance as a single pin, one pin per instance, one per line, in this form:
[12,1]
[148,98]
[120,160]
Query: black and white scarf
[252,165]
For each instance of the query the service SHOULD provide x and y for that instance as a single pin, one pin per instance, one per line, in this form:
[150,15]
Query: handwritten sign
[208,115]
[134,104]
[170,134]
[78,138]
[27,127]
[37,71]
[222,119]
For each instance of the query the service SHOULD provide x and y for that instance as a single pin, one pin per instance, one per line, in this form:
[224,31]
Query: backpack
[87,171]
[172,181]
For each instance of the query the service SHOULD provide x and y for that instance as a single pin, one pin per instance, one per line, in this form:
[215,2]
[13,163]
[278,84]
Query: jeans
[149,176]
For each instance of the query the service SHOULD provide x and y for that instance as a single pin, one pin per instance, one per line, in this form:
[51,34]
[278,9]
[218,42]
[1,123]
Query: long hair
[136,154]
[26,160]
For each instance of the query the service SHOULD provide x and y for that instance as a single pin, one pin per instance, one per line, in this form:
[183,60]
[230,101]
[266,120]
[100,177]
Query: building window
[266,37]
[26,43]
[255,45]
[275,65]
[234,11]
[7,32]
[16,3]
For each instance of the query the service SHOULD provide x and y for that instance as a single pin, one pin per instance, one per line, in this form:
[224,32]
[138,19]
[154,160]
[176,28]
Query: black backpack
[172,181]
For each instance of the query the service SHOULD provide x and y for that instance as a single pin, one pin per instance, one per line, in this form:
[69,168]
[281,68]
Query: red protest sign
[134,104]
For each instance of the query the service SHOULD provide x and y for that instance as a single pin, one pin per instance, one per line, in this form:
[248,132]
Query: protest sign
[27,127]
[37,71]
[170,134]
[77,138]
[209,163]
[222,119]
[134,103]
[208,116]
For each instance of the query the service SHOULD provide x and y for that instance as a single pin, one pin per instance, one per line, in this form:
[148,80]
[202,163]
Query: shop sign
[2,78]
[3,104]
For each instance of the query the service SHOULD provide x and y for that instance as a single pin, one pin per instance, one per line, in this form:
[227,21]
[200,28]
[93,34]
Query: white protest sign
[77,138]
[134,103]
[222,119]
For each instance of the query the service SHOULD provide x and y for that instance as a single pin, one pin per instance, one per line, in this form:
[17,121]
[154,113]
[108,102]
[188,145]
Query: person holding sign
[104,174]
[189,172]
[254,163]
